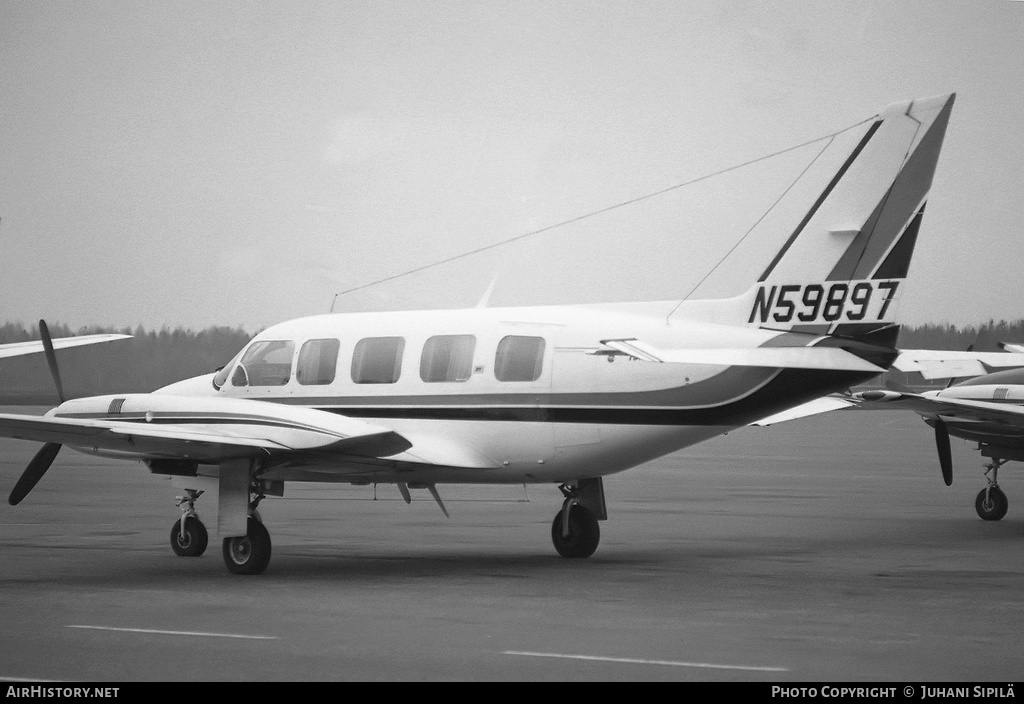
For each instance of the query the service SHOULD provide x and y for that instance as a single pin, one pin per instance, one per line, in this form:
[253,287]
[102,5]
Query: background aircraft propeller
[945,455]
[44,458]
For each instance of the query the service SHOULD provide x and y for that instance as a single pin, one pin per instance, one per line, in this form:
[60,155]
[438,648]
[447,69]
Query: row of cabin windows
[378,360]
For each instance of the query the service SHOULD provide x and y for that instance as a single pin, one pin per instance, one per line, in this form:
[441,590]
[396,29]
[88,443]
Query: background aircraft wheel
[995,507]
[584,533]
[195,540]
[249,554]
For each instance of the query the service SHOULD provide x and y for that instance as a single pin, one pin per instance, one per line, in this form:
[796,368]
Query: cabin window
[317,362]
[265,363]
[447,358]
[378,360]
[519,358]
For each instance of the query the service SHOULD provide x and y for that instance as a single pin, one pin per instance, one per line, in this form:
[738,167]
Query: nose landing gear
[992,503]
[189,536]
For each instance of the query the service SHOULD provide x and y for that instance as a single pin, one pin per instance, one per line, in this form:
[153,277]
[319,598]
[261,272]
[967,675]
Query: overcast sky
[239,163]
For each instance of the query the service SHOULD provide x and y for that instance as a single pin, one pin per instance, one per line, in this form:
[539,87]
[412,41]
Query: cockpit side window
[221,377]
[265,363]
[318,360]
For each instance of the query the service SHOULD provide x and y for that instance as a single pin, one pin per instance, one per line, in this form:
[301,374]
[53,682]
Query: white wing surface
[945,364]
[17,349]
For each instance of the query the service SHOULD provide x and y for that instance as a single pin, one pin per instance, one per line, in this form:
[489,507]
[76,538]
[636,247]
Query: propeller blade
[51,359]
[34,472]
[945,456]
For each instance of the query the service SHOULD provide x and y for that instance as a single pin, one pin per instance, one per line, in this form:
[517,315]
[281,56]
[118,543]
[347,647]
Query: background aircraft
[986,409]
[545,394]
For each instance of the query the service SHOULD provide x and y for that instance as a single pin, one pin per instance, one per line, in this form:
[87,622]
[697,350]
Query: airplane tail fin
[842,266]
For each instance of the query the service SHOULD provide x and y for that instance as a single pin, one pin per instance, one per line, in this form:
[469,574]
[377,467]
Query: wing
[833,358]
[214,430]
[945,364]
[208,442]
[1004,413]
[16,349]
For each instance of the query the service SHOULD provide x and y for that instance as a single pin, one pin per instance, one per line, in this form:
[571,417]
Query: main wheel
[584,533]
[194,540]
[248,554]
[994,507]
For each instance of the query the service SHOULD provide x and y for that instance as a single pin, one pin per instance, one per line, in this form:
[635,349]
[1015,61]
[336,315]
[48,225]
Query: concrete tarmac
[824,550]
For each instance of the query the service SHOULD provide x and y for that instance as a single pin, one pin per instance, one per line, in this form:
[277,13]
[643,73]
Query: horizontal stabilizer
[825,404]
[832,358]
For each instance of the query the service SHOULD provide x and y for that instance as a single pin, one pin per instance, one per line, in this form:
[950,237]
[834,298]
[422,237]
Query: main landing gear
[245,554]
[249,553]
[575,531]
[992,503]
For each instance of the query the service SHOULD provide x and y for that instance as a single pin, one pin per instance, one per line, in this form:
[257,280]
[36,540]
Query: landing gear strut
[249,553]
[574,532]
[189,537]
[992,503]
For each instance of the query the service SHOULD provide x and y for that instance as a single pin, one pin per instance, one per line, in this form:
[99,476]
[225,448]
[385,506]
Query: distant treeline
[984,338]
[151,359]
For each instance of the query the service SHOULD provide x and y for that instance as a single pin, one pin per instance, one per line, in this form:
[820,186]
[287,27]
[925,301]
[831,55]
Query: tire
[194,541]
[996,506]
[248,554]
[584,533]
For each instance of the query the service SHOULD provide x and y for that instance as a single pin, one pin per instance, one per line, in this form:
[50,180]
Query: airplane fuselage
[502,395]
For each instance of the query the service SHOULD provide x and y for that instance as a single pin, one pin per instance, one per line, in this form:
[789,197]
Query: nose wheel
[189,537]
[992,503]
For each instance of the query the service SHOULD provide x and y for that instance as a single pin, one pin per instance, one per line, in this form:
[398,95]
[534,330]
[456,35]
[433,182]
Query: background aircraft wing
[947,364]
[16,349]
[1009,414]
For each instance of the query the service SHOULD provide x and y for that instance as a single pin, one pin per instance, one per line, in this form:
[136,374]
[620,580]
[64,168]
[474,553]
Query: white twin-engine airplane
[550,394]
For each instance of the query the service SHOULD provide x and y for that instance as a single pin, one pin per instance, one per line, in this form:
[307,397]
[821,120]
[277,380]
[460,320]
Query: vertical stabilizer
[843,262]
